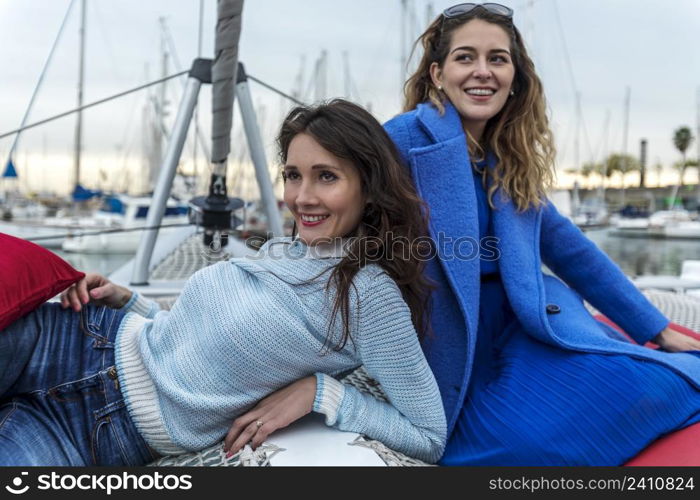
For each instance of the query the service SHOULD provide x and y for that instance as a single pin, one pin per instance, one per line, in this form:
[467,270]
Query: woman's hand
[673,341]
[276,411]
[97,289]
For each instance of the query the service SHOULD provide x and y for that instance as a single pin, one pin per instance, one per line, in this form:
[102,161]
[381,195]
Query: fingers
[99,292]
[262,433]
[70,298]
[238,427]
[77,294]
[248,429]
[82,291]
[75,299]
[64,299]
[692,344]
[686,342]
[679,342]
[244,437]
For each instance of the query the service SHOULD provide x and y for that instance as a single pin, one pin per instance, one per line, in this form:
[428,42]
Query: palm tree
[623,164]
[682,138]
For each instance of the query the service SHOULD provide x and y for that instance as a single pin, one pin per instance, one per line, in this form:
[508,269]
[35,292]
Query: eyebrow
[467,47]
[318,166]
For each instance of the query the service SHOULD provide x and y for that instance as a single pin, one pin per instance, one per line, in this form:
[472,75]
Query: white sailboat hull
[689,230]
[28,231]
[110,243]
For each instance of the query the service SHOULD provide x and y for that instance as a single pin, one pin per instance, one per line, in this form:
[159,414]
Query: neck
[474,130]
[324,248]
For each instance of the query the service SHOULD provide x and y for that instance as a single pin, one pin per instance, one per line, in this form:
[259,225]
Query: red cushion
[680,448]
[29,276]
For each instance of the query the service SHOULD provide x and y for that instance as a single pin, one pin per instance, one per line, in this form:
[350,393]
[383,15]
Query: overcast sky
[598,47]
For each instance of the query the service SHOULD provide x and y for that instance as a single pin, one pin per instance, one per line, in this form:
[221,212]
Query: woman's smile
[308,220]
[480,94]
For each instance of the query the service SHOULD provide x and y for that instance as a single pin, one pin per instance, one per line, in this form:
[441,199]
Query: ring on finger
[258,423]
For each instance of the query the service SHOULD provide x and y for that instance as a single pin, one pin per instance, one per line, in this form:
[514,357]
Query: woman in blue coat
[527,375]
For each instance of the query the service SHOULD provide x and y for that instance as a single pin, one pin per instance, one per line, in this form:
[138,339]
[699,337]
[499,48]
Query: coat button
[553,309]
[112,372]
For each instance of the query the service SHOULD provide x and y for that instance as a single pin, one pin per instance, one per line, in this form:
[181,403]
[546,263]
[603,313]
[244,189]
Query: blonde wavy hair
[519,135]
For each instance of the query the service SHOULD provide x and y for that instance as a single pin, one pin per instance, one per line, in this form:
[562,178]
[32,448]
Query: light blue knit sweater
[244,328]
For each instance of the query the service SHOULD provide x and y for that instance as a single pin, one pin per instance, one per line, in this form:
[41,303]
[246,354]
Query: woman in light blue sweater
[119,382]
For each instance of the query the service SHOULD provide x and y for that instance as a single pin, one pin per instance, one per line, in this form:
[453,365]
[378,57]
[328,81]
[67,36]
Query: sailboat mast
[604,155]
[346,70]
[577,137]
[195,163]
[81,78]
[429,13]
[321,76]
[404,41]
[625,137]
[161,104]
[576,196]
[625,133]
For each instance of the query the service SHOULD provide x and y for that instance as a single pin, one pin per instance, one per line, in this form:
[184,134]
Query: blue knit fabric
[244,328]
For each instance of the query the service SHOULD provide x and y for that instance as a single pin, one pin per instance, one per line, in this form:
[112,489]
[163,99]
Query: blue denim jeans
[60,402]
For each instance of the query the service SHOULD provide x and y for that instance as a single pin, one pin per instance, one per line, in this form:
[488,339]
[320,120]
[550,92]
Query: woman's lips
[480,97]
[312,221]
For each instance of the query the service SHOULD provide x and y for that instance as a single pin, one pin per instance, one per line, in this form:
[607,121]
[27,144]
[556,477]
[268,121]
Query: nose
[306,196]
[481,70]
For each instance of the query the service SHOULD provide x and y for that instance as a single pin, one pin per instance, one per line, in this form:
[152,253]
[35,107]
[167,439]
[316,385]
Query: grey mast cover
[228,32]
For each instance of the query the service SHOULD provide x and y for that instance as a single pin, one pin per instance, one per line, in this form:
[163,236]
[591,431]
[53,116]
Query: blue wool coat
[550,309]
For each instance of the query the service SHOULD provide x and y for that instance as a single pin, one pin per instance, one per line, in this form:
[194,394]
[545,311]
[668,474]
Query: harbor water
[103,264]
[646,256]
[636,256]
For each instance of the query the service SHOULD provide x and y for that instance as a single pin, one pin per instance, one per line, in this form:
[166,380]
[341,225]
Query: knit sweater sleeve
[142,306]
[414,420]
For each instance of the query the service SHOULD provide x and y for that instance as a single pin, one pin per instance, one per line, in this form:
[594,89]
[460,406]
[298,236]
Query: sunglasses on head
[464,8]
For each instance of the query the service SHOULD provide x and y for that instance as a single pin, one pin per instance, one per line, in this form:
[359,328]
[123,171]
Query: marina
[182,217]
[640,256]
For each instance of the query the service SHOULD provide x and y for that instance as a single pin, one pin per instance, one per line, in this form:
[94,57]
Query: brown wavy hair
[393,213]
[519,135]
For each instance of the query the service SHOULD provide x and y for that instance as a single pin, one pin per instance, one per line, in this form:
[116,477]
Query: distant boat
[662,224]
[591,214]
[687,283]
[120,212]
[44,234]
[588,215]
[683,229]
[30,220]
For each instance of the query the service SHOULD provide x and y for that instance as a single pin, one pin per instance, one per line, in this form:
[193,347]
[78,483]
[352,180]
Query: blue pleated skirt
[530,403]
